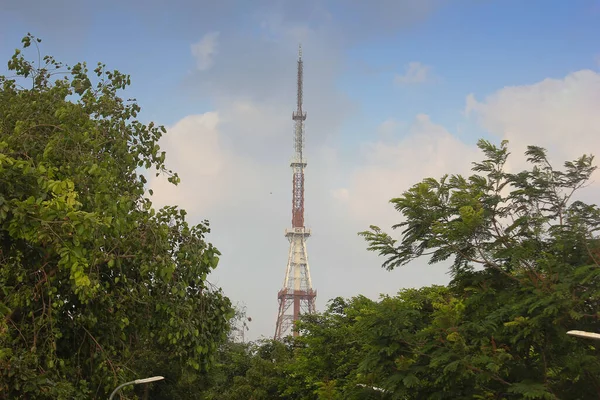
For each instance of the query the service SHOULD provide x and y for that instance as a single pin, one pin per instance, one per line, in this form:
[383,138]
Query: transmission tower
[297,295]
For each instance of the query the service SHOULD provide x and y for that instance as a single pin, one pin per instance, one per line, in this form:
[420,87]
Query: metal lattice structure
[297,295]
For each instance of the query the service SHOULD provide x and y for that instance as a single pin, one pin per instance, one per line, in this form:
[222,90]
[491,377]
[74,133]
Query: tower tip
[299,51]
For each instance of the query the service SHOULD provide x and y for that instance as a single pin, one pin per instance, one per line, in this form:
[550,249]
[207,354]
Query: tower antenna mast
[297,295]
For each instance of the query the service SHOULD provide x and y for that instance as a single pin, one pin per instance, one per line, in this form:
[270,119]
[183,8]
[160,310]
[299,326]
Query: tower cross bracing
[297,295]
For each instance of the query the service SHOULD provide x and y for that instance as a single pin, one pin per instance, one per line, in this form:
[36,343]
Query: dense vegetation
[97,287]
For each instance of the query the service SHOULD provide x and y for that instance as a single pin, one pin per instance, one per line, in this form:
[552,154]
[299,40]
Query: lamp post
[136,382]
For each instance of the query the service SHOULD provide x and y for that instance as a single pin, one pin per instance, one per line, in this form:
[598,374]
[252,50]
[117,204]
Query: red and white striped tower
[297,295]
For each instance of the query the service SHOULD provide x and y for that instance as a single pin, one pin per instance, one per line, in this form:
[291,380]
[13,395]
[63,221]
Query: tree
[233,360]
[329,351]
[251,371]
[239,324]
[96,286]
[525,270]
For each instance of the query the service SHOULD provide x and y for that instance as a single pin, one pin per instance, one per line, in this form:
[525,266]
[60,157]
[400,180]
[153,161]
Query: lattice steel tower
[297,295]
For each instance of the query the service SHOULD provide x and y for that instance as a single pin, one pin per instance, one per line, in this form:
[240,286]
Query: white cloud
[244,115]
[213,156]
[194,151]
[416,72]
[388,128]
[387,170]
[204,50]
[558,114]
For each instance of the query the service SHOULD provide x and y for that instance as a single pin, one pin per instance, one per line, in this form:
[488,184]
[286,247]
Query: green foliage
[327,354]
[497,220]
[253,371]
[524,273]
[96,286]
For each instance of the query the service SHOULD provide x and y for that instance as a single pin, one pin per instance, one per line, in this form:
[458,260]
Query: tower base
[297,295]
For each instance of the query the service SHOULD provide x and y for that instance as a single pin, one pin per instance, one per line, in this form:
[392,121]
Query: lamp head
[585,335]
[151,379]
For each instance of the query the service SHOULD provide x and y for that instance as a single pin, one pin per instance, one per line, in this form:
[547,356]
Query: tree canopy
[97,287]
[524,265]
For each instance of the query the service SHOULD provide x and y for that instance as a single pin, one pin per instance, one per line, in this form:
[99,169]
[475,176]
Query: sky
[395,91]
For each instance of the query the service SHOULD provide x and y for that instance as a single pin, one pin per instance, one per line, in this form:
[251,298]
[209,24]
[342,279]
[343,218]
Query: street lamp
[584,334]
[136,382]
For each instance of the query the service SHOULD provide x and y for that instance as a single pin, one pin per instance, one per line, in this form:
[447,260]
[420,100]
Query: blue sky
[531,65]
[474,46]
